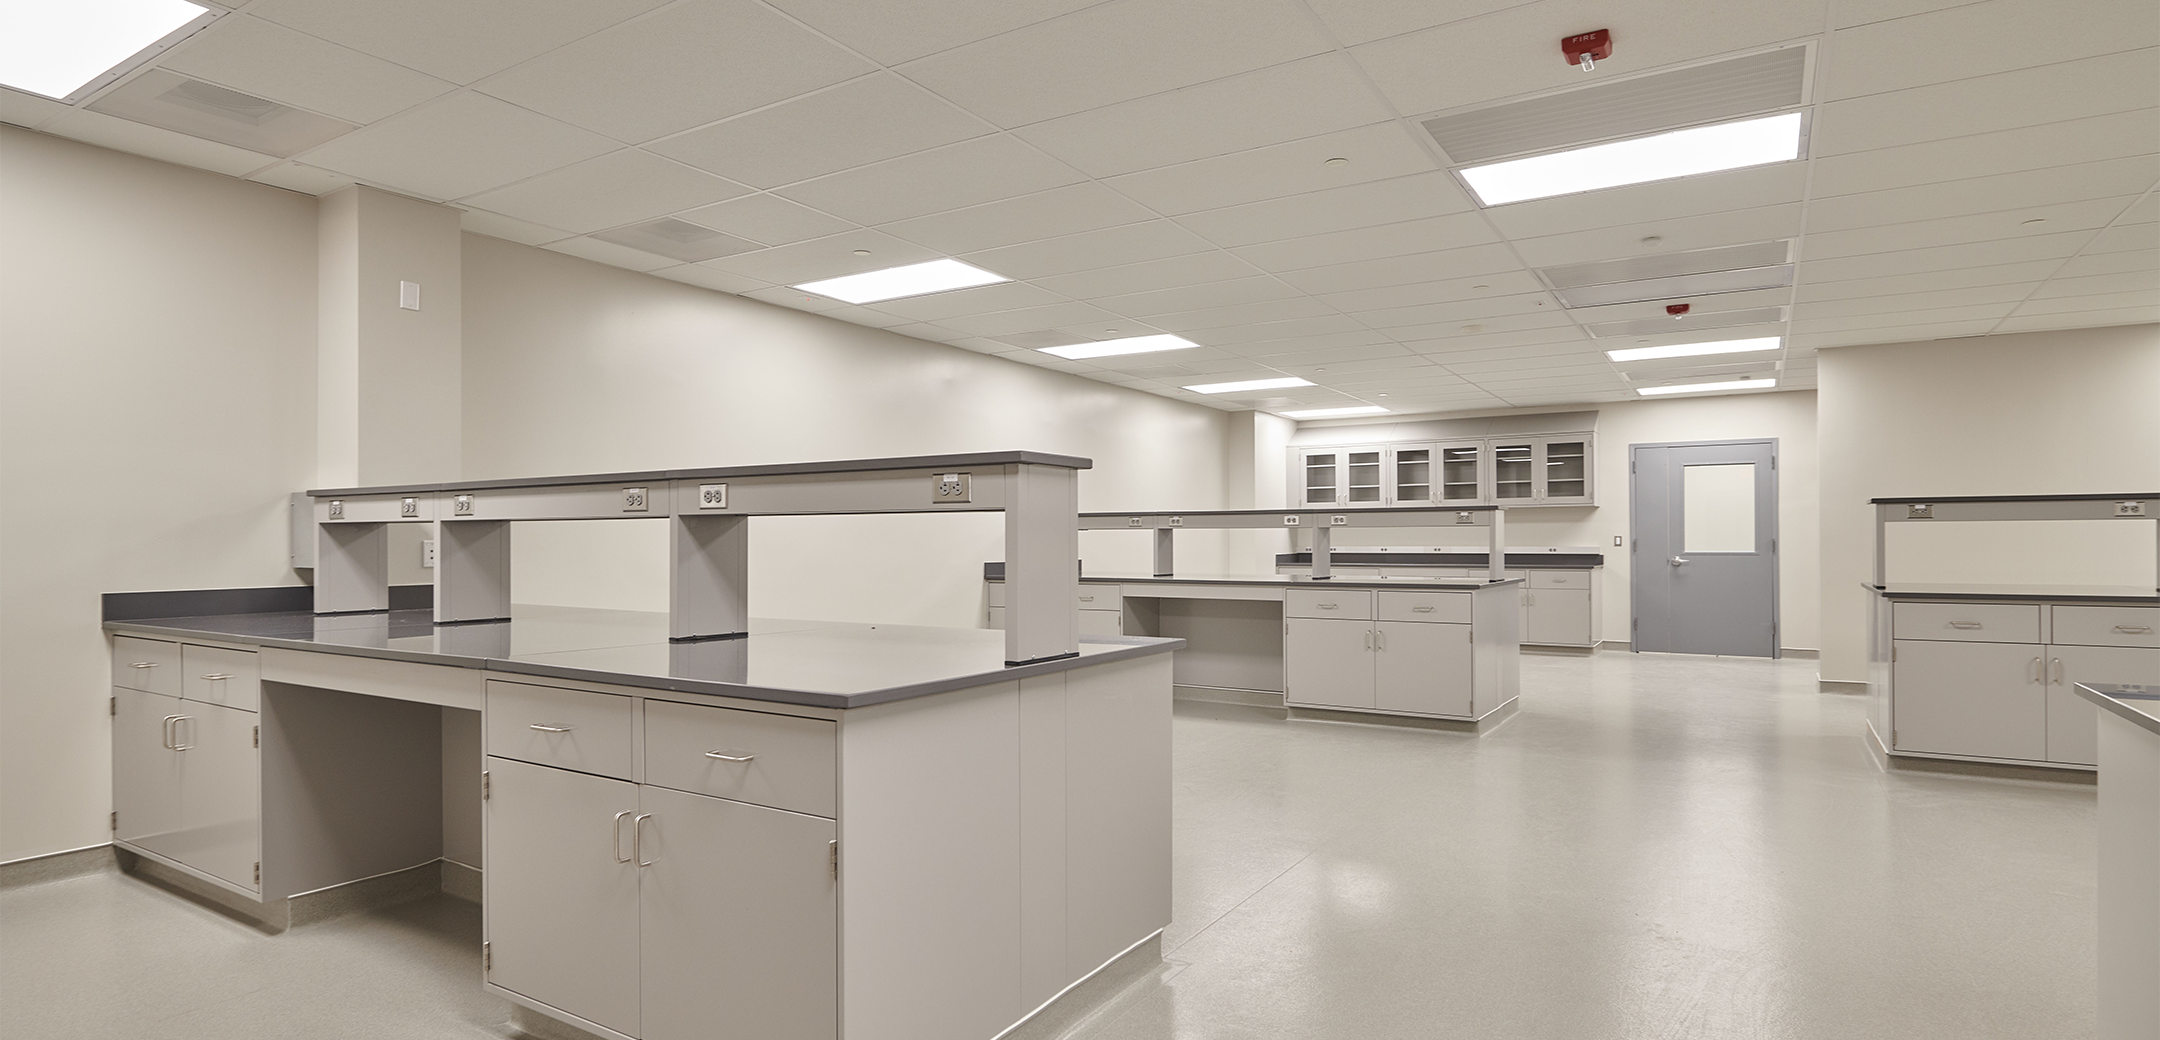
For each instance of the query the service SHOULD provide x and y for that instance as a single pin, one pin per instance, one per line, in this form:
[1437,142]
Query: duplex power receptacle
[949,487]
[2130,508]
[712,496]
[635,500]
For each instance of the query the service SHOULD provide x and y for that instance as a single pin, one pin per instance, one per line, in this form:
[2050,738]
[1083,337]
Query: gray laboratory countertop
[1296,581]
[819,663]
[2049,593]
[2138,704]
[1512,561]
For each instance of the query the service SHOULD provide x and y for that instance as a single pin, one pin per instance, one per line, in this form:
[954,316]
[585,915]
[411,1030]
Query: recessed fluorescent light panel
[894,283]
[1680,153]
[1703,388]
[1727,346]
[66,49]
[1333,413]
[1117,347]
[1249,384]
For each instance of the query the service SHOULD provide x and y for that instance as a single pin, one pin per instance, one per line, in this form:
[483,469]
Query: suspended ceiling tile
[895,31]
[618,188]
[1194,297]
[1403,238]
[1418,195]
[768,219]
[1332,373]
[1698,306]
[1921,301]
[460,42]
[123,135]
[1732,190]
[1363,21]
[1945,258]
[707,278]
[1243,314]
[1572,365]
[2060,218]
[1091,250]
[1336,356]
[1448,353]
[2145,210]
[1246,340]
[2064,143]
[1375,152]
[1191,269]
[1460,311]
[2079,319]
[683,65]
[1944,315]
[2126,237]
[1065,210]
[1296,341]
[1968,41]
[1115,52]
[2031,189]
[271,61]
[2026,97]
[1475,287]
[2145,281]
[495,225]
[610,254]
[1900,334]
[29,110]
[863,121]
[303,178]
[2114,301]
[969,173]
[2140,260]
[1273,105]
[1007,322]
[459,145]
[791,298]
[1516,51]
[1884,10]
[828,257]
[986,299]
[1404,270]
[1762,224]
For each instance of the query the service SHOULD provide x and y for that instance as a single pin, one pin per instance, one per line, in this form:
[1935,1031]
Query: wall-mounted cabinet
[1546,470]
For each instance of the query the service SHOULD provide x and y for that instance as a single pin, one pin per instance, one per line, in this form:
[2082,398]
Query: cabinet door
[1363,477]
[2073,723]
[146,770]
[741,927]
[1556,617]
[1462,473]
[220,792]
[1328,662]
[562,890]
[1981,699]
[1410,475]
[1563,470]
[1514,466]
[1101,622]
[1423,668]
[1320,473]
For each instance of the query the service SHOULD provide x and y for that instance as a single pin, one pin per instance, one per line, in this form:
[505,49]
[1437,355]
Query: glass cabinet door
[1566,470]
[1460,472]
[1363,485]
[1514,471]
[1323,479]
[1413,479]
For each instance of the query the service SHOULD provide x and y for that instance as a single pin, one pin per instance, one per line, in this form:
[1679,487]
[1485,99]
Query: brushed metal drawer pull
[1328,606]
[617,850]
[2135,630]
[216,676]
[1087,599]
[176,721]
[1965,624]
[727,757]
[637,840]
[170,738]
[2032,671]
[551,729]
[1422,610]
[144,664]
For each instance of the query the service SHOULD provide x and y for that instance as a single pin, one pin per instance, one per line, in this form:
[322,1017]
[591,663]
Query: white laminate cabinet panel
[1961,698]
[1423,669]
[561,904]
[2072,735]
[149,665]
[740,921]
[995,590]
[1544,579]
[1117,809]
[573,729]
[1451,607]
[1967,622]
[2106,626]
[216,675]
[1557,617]
[1102,622]
[996,619]
[396,680]
[146,771]
[220,793]
[1328,663]
[1328,603]
[790,763]
[1097,597]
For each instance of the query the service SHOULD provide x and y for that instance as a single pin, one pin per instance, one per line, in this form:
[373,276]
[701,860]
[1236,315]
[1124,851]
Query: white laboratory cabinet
[1538,470]
[1398,653]
[186,768]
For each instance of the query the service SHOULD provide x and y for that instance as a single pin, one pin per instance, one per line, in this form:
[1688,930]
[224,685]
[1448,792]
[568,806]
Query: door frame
[1777,560]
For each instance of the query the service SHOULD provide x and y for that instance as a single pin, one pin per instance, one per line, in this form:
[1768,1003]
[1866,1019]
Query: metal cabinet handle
[1329,606]
[616,851]
[170,738]
[1087,599]
[551,729]
[637,840]
[2032,671]
[176,721]
[2135,630]
[216,676]
[1368,639]
[144,664]
[1422,610]
[2055,670]
[728,758]
[1965,624]
[1380,639]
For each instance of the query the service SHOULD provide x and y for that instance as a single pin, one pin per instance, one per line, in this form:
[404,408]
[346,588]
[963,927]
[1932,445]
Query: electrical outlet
[1913,512]
[1462,518]
[461,505]
[1339,521]
[949,487]
[1136,522]
[1177,521]
[2129,509]
[408,507]
[1290,521]
[712,496]
[635,500]
[337,509]
[427,553]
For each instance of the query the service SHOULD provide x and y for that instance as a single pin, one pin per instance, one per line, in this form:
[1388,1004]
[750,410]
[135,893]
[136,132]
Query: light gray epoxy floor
[1658,848]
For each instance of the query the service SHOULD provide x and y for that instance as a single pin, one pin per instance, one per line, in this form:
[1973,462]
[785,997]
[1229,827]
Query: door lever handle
[1678,560]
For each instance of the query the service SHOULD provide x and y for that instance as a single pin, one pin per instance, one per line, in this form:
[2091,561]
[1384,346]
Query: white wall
[1788,416]
[2042,413]
[572,366]
[157,391]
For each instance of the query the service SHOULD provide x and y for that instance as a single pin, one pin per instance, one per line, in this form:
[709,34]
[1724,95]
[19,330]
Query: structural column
[1042,553]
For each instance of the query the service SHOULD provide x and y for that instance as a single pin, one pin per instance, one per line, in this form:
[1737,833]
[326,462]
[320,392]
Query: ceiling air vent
[214,113]
[1711,93]
[680,239]
[1691,323]
[1672,276]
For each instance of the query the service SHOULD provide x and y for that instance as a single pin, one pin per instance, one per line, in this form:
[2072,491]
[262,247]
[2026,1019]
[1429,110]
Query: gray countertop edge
[2108,702]
[1288,582]
[1130,647]
[1893,593]
[1287,510]
[1908,500]
[1543,562]
[978,458]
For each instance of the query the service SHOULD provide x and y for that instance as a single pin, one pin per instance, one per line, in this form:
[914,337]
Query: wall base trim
[59,866]
[1482,724]
[1228,695]
[275,916]
[1845,686]
[1061,1015]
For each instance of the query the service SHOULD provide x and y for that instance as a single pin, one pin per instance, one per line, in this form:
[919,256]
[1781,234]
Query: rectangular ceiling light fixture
[1281,383]
[1703,388]
[893,283]
[1117,347]
[67,49]
[1679,153]
[1725,346]
[1334,413]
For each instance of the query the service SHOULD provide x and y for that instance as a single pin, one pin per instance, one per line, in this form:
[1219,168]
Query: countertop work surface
[1513,561]
[827,664]
[2050,593]
[1298,581]
[2129,701]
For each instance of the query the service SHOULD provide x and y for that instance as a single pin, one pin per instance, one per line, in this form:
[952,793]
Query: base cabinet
[187,783]
[1980,699]
[1557,617]
[1328,662]
[1385,655]
[1422,669]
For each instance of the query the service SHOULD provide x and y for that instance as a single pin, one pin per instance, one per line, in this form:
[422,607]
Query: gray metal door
[1704,516]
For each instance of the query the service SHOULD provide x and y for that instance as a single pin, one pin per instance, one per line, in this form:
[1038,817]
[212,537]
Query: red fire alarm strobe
[1677,310]
[1586,49]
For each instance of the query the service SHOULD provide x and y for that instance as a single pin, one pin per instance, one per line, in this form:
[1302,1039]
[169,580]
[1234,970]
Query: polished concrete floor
[1657,847]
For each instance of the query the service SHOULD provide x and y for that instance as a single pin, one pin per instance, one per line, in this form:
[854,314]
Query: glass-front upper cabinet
[1564,471]
[1412,475]
[1363,484]
[1321,476]
[1462,473]
[1518,471]
[1514,465]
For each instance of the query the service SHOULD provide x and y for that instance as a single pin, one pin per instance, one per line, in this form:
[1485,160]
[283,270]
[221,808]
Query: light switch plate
[712,496]
[1616,539]
[427,552]
[408,296]
[636,500]
[949,487]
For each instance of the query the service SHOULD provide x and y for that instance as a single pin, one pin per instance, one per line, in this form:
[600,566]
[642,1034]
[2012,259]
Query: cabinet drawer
[216,675]
[1355,604]
[1969,622]
[1098,597]
[995,593]
[149,665]
[1422,606]
[788,761]
[572,729]
[2107,626]
[1559,579]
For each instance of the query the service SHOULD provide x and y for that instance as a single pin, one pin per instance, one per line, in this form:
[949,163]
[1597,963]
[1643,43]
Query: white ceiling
[1142,166]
